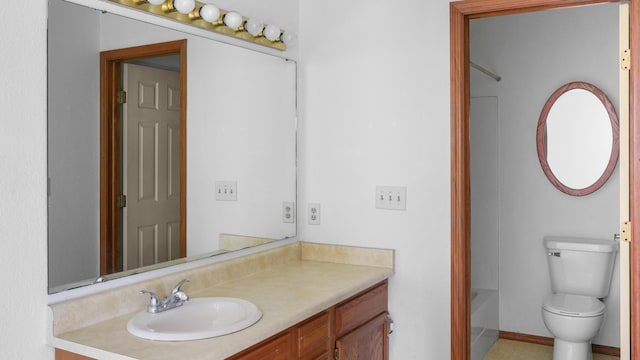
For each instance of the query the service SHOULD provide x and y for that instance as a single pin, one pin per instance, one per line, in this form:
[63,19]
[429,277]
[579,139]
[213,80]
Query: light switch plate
[391,197]
[226,190]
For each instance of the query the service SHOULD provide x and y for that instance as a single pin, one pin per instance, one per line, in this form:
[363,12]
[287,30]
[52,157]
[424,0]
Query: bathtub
[484,321]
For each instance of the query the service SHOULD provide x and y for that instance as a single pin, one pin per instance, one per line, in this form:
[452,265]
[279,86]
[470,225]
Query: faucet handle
[177,289]
[154,299]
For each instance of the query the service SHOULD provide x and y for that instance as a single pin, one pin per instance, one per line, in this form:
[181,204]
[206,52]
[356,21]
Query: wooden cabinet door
[368,342]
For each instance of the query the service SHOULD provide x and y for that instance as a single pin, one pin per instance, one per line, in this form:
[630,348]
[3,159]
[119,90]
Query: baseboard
[543,340]
[605,350]
[540,340]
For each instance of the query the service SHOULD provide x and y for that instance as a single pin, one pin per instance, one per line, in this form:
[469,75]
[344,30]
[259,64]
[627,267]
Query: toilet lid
[573,305]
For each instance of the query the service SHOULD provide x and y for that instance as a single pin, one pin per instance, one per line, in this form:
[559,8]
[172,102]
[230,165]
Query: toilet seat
[573,305]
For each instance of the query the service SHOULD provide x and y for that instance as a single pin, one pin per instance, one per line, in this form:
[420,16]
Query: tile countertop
[287,293]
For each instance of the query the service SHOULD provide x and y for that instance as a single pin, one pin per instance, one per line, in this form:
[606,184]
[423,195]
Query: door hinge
[121,201]
[121,97]
[336,355]
[625,59]
[625,231]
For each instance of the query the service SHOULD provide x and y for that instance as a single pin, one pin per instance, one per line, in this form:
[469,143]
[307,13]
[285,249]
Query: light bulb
[155,2]
[254,27]
[210,13]
[232,19]
[272,32]
[288,38]
[184,6]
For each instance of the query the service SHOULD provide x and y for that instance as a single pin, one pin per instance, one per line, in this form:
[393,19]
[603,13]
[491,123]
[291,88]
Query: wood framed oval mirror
[578,138]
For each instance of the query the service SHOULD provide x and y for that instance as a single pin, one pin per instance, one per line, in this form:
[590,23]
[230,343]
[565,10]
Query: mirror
[578,138]
[240,129]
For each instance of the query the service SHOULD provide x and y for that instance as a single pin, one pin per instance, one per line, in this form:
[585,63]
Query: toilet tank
[580,266]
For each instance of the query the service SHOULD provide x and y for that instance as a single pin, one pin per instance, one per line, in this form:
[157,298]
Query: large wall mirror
[578,138]
[240,120]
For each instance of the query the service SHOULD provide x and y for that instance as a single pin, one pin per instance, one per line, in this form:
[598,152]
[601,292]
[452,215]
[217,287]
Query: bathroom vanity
[359,324]
[318,302]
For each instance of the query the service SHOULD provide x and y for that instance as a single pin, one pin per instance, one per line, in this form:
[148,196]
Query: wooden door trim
[460,14]
[634,175]
[110,76]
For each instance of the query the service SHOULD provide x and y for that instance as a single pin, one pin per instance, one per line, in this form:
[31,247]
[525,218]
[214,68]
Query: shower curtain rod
[485,71]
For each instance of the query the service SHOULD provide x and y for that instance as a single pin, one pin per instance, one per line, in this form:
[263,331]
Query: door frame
[460,14]
[110,127]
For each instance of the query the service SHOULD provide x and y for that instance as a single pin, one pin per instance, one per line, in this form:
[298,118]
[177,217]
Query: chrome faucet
[177,298]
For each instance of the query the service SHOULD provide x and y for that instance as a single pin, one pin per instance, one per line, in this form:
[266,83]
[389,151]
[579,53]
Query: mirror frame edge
[541,138]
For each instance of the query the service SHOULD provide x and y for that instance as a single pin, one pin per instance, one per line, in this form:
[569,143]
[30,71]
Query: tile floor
[516,350]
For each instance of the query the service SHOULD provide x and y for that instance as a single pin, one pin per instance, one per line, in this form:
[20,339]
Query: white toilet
[580,271]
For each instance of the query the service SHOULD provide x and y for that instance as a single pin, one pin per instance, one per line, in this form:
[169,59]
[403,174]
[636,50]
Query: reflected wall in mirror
[578,138]
[241,127]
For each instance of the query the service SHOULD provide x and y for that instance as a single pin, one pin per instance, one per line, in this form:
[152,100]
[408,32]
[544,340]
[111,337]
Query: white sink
[198,318]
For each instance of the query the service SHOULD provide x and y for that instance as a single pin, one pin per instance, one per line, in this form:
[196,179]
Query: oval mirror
[578,138]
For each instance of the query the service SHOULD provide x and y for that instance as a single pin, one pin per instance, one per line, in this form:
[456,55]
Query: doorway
[461,13]
[112,199]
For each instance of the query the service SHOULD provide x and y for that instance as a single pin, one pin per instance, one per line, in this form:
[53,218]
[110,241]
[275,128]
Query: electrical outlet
[391,197]
[226,190]
[313,213]
[288,212]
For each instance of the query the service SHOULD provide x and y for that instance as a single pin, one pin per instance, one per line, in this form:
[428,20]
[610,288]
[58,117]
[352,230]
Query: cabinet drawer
[314,337]
[276,349]
[360,309]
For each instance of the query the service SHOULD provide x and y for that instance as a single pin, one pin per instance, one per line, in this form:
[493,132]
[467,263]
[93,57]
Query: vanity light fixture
[254,26]
[209,13]
[212,18]
[181,6]
[288,38]
[232,20]
[272,32]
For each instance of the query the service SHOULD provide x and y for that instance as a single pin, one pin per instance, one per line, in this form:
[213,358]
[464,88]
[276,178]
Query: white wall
[485,193]
[23,165]
[535,54]
[375,111]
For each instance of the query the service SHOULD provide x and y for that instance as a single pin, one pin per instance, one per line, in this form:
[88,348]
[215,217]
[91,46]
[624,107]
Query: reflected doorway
[147,146]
